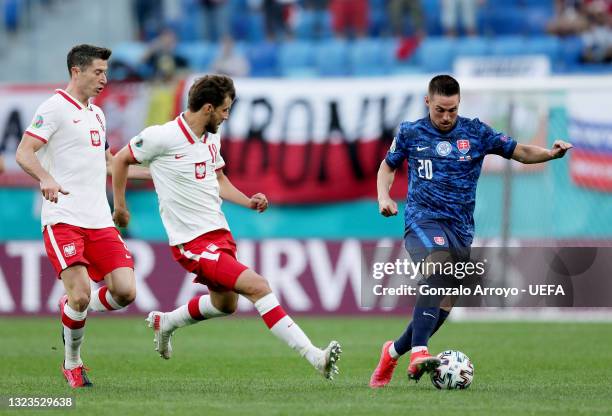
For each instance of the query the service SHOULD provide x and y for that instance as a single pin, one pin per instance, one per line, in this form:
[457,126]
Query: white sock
[102,301]
[197,309]
[419,349]
[392,351]
[74,330]
[285,328]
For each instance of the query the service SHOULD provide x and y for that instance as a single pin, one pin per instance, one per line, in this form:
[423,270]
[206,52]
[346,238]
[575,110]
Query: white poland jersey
[183,167]
[74,154]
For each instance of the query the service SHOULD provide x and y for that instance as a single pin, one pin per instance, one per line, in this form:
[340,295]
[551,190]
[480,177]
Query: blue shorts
[427,235]
[424,237]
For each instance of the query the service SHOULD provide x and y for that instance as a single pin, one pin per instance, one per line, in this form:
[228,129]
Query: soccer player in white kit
[65,150]
[184,158]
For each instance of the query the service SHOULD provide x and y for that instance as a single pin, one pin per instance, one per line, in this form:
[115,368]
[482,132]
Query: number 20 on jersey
[425,169]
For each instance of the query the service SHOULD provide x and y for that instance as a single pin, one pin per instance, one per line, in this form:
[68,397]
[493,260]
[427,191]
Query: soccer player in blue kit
[445,154]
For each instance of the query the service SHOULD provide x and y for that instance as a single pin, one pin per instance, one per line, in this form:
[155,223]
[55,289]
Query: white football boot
[327,363]
[159,322]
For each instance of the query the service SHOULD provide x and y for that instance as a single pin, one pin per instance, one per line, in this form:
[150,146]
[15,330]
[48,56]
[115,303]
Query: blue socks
[424,321]
[405,342]
[443,315]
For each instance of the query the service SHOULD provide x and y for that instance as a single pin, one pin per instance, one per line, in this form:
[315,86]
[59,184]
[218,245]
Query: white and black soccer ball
[456,371]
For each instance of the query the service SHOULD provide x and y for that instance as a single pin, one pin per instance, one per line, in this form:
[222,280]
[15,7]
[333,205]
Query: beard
[211,127]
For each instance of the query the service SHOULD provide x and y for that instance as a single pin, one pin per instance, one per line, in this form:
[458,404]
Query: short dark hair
[210,89]
[444,85]
[83,55]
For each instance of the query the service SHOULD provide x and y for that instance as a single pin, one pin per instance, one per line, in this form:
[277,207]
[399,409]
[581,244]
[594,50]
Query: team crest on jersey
[463,145]
[69,250]
[38,122]
[95,138]
[439,241]
[200,170]
[443,148]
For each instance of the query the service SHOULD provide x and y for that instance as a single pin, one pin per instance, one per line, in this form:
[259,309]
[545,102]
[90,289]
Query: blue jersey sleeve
[397,152]
[495,142]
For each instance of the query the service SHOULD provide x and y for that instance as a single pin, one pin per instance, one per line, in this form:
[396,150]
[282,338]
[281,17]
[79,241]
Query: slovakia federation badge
[463,146]
[443,148]
[439,241]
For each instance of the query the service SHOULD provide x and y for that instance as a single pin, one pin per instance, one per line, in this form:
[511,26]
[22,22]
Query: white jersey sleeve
[214,146]
[219,162]
[46,121]
[147,146]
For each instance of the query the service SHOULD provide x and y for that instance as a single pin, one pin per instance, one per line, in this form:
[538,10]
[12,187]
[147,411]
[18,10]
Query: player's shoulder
[153,132]
[213,138]
[408,130]
[472,127]
[408,125]
[164,128]
[471,123]
[160,132]
[53,102]
[96,109]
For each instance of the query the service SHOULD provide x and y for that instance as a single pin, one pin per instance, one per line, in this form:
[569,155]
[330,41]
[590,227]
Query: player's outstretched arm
[120,166]
[134,172]
[27,160]
[139,172]
[525,153]
[229,192]
[384,180]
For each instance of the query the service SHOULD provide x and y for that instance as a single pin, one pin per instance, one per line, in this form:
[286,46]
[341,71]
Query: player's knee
[428,300]
[125,297]
[261,289]
[228,308]
[253,286]
[79,301]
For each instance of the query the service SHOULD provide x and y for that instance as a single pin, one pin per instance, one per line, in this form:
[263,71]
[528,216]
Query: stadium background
[316,111]
[317,108]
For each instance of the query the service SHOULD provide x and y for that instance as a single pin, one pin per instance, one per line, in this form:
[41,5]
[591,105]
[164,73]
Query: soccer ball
[456,371]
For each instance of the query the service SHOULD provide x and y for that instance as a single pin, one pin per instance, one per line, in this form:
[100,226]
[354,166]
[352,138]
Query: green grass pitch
[234,366]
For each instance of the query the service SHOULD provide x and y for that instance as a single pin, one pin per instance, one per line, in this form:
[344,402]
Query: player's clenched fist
[387,207]
[259,202]
[51,190]
[559,149]
[121,217]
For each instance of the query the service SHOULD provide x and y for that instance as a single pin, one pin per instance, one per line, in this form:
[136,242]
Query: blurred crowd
[589,19]
[281,17]
[163,25]
[225,21]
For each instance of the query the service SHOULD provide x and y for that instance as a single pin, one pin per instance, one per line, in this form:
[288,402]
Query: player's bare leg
[118,292]
[198,309]
[73,308]
[255,288]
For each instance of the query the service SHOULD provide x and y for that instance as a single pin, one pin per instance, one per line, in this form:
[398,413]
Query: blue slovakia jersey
[443,169]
